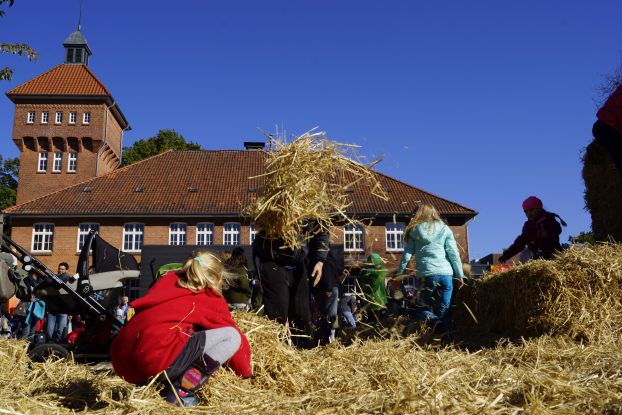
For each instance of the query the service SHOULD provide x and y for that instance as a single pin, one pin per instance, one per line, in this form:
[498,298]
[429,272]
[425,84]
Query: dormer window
[31,117]
[59,118]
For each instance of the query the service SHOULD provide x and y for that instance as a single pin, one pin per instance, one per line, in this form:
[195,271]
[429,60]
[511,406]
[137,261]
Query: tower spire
[80,17]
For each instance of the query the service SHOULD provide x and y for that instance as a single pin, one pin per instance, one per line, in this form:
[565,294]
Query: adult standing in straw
[607,129]
[437,261]
[540,232]
[283,274]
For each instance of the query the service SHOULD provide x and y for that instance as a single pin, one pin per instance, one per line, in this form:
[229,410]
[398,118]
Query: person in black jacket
[540,232]
[283,275]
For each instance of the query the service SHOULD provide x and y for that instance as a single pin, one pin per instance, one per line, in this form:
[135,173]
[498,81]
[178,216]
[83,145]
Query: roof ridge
[31,80]
[9,209]
[94,77]
[422,190]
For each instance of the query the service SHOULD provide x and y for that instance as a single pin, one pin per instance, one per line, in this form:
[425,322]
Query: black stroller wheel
[41,352]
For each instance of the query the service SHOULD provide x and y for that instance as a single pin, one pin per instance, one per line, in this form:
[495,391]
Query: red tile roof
[64,79]
[203,182]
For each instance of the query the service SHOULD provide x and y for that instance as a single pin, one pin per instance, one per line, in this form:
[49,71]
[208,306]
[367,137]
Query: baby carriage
[102,272]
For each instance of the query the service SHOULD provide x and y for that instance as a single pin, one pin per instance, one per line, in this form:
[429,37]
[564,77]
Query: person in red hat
[540,232]
[607,129]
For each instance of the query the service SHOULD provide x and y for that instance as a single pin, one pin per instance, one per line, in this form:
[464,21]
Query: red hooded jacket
[166,317]
[611,112]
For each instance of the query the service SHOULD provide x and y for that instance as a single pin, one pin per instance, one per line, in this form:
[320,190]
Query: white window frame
[83,231]
[353,238]
[205,231]
[231,233]
[45,117]
[57,163]
[30,118]
[133,236]
[86,118]
[42,164]
[177,233]
[394,236]
[252,232]
[72,117]
[72,162]
[45,232]
[58,118]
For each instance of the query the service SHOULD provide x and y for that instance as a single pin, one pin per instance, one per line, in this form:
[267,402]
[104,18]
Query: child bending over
[182,327]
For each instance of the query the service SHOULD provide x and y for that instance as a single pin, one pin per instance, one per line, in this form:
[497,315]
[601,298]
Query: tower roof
[67,81]
[76,38]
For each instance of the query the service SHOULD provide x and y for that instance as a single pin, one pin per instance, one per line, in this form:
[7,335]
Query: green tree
[20,49]
[582,238]
[165,140]
[9,171]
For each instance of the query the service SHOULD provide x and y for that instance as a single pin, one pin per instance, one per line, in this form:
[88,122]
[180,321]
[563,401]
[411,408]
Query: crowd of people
[182,331]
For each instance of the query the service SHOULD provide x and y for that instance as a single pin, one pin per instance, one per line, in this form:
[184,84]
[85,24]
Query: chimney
[254,145]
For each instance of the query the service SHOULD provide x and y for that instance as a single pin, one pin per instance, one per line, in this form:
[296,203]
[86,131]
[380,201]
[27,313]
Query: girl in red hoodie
[182,327]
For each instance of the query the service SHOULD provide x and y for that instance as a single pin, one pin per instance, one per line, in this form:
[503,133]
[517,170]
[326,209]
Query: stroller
[102,272]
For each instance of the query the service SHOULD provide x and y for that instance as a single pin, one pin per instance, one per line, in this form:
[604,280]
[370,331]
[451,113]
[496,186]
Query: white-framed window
[72,162]
[45,117]
[86,118]
[57,165]
[205,233]
[83,231]
[353,238]
[177,234]
[231,233]
[394,232]
[72,117]
[59,118]
[42,165]
[30,118]
[252,233]
[133,237]
[42,237]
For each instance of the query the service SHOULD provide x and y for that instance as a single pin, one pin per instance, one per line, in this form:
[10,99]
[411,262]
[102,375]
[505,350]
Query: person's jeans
[55,326]
[349,318]
[435,300]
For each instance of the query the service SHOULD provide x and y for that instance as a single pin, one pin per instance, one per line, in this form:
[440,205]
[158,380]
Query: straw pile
[603,193]
[546,375]
[308,179]
[577,295]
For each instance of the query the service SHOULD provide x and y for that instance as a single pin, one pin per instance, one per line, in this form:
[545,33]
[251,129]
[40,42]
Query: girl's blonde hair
[202,269]
[425,214]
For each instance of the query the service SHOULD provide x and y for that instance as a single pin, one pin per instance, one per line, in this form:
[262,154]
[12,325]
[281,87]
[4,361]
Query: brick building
[70,181]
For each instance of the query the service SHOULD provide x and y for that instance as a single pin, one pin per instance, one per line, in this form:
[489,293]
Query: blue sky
[481,102]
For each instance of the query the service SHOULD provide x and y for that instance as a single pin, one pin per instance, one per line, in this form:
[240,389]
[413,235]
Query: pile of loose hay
[308,179]
[575,296]
[578,294]
[603,193]
[393,376]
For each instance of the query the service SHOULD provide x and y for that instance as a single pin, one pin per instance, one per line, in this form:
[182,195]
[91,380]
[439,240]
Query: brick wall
[157,233]
[85,140]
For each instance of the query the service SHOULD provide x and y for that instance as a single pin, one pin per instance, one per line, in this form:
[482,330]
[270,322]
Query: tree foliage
[163,141]
[9,171]
[20,49]
[582,238]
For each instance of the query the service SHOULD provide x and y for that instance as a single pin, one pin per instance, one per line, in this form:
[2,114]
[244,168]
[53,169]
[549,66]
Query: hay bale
[603,193]
[308,179]
[578,295]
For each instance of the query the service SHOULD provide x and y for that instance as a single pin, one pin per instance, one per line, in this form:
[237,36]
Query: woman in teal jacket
[437,261]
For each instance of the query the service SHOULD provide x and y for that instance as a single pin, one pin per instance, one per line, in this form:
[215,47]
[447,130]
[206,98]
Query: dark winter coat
[540,235]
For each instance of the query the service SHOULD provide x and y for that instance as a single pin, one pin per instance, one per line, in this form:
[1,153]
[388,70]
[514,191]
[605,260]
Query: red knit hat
[532,202]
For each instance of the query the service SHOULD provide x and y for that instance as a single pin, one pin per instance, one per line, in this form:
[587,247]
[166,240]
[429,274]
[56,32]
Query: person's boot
[191,380]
